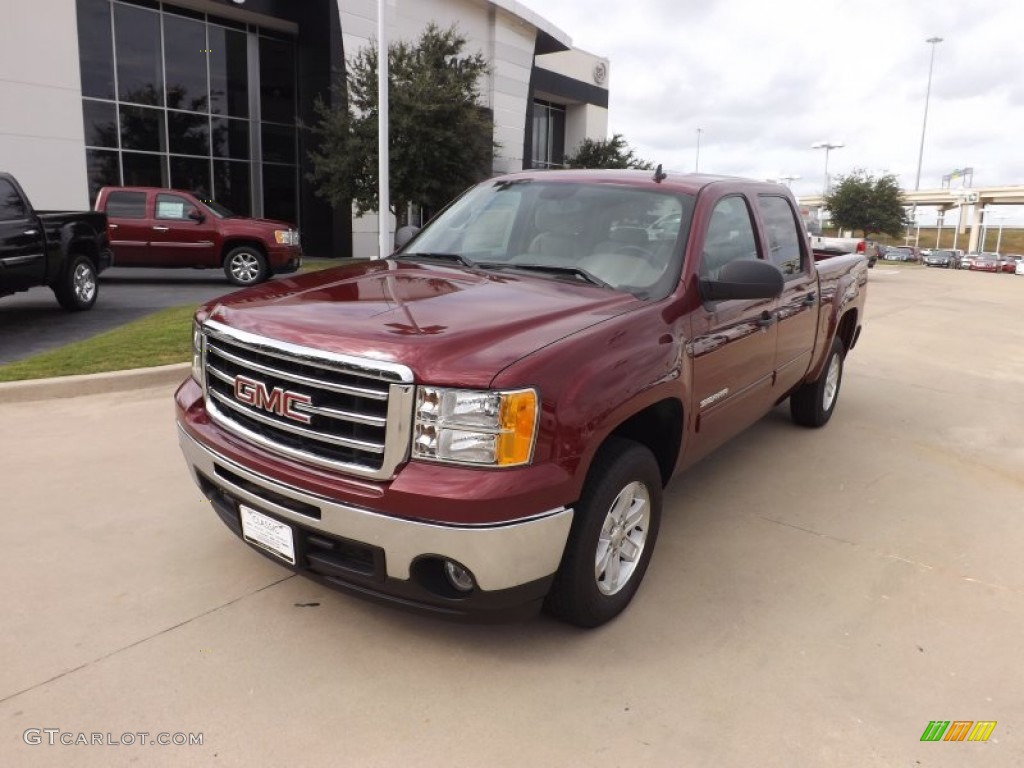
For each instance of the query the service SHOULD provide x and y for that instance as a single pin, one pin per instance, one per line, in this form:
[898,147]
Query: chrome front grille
[346,413]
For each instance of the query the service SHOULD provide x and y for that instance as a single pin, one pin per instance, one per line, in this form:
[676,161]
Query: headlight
[286,236]
[197,352]
[480,427]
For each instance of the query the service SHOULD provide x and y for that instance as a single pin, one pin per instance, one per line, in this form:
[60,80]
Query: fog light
[459,577]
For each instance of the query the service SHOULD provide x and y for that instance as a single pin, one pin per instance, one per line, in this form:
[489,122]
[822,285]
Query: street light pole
[828,147]
[933,41]
[696,162]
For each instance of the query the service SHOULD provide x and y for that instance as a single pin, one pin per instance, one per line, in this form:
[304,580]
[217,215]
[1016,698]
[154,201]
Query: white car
[1019,269]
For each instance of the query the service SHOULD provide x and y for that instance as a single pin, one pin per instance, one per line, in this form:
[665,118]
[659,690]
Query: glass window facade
[167,102]
[548,135]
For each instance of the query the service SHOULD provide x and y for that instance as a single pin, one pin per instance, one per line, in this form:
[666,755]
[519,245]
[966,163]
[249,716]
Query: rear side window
[12,207]
[783,234]
[126,205]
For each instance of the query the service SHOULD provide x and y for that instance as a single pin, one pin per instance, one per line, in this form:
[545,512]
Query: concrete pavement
[816,598]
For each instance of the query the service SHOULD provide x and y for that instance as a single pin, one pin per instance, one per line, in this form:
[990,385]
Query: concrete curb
[92,383]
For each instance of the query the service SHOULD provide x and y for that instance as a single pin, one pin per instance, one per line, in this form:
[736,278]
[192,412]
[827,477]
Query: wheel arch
[658,427]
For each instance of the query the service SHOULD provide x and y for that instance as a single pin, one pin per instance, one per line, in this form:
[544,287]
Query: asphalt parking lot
[817,597]
[31,322]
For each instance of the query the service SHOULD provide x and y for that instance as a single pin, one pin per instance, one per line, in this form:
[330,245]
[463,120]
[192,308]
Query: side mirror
[196,215]
[404,235]
[743,279]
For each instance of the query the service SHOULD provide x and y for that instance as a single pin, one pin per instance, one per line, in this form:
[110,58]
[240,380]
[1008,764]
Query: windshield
[620,237]
[218,210]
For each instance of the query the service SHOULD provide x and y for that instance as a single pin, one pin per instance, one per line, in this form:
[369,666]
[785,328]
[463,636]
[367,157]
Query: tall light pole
[384,241]
[933,41]
[696,163]
[828,147]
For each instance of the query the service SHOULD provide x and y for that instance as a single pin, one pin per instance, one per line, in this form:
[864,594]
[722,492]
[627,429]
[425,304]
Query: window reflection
[229,72]
[185,53]
[140,74]
[142,170]
[97,58]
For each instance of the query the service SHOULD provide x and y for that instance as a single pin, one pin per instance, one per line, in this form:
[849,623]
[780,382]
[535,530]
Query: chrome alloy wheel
[622,538]
[831,382]
[245,267]
[84,282]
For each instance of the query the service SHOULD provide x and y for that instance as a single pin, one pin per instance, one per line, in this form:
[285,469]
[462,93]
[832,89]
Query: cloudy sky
[765,80]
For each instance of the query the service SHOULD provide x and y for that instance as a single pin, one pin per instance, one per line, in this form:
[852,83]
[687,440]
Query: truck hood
[451,326]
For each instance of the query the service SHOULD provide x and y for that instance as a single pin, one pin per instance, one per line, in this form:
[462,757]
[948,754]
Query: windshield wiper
[556,269]
[443,256]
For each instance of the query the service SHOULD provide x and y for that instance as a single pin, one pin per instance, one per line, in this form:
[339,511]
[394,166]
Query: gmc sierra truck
[483,423]
[63,250]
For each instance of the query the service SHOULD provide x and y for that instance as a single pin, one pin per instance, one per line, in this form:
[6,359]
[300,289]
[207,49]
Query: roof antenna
[659,175]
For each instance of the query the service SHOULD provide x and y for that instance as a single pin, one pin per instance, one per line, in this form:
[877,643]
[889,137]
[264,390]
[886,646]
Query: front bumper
[284,259]
[393,559]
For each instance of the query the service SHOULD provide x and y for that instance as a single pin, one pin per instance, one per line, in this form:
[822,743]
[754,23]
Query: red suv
[152,227]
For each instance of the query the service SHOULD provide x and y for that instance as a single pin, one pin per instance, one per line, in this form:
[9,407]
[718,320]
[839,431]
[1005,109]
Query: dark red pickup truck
[152,227]
[484,421]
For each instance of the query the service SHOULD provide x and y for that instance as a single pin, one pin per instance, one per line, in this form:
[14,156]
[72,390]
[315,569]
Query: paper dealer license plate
[267,533]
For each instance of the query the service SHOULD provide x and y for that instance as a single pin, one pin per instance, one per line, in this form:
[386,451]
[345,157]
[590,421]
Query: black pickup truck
[64,250]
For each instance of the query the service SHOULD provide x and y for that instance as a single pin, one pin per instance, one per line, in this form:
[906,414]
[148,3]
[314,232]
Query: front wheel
[613,533]
[246,265]
[812,405]
[77,288]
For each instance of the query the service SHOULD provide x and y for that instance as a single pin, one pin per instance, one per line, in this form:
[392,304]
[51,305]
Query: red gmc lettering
[279,401]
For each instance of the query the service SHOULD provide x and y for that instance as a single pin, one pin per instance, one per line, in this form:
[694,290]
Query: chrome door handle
[30,232]
[112,226]
[160,229]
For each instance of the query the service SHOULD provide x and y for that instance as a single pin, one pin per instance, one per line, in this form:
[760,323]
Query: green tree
[868,204]
[440,138]
[613,153]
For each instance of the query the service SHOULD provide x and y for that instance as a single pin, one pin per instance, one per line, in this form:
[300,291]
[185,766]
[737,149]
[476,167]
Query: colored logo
[958,730]
[276,400]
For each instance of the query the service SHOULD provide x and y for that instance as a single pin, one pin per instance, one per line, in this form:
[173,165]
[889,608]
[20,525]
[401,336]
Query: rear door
[22,242]
[128,227]
[733,347]
[797,310]
[183,235]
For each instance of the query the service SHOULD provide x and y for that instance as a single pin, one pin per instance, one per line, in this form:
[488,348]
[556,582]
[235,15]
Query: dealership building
[211,96]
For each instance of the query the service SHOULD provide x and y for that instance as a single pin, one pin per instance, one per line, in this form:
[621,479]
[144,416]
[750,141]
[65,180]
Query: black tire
[246,265]
[580,594]
[812,405]
[77,288]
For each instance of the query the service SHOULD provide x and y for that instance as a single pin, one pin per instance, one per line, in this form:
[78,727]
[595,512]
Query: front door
[183,236]
[733,347]
[22,243]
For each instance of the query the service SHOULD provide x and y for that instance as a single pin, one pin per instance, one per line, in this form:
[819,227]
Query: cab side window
[11,206]
[730,237]
[126,205]
[783,234]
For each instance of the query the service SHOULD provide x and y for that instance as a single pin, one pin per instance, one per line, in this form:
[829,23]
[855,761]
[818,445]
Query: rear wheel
[246,265]
[77,288]
[612,538]
[812,405]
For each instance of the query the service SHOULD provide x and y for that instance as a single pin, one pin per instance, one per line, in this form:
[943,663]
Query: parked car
[484,421]
[945,259]
[1008,263]
[968,259]
[1019,268]
[63,250]
[152,227]
[906,253]
[987,262]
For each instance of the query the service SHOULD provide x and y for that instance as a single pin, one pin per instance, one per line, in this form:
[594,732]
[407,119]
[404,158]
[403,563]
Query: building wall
[42,141]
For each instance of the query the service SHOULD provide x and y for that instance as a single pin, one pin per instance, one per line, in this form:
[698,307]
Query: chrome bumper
[500,556]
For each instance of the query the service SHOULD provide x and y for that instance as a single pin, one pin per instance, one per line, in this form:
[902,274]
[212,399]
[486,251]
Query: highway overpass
[972,202]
